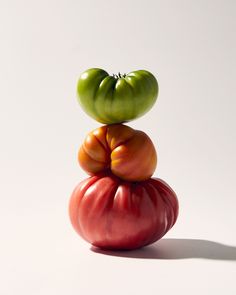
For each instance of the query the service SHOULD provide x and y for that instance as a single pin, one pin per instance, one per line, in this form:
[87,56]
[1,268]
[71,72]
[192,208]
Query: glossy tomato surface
[116,98]
[128,153]
[113,214]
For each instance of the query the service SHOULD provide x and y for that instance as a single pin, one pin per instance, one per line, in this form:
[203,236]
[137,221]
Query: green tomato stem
[119,75]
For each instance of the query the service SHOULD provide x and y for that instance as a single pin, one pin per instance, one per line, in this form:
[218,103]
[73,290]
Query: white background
[190,47]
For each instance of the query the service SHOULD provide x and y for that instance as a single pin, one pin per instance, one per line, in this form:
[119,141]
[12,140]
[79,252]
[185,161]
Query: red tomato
[114,214]
[128,153]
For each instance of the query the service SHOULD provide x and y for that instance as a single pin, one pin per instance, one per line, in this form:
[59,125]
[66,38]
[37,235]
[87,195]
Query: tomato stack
[120,206]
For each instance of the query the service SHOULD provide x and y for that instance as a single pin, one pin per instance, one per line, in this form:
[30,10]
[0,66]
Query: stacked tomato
[120,206]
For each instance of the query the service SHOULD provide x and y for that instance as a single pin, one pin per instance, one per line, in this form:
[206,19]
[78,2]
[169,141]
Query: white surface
[190,46]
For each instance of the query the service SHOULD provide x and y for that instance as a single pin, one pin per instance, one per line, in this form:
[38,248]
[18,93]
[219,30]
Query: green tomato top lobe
[118,98]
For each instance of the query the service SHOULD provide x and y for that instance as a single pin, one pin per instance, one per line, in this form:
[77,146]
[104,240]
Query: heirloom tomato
[128,153]
[114,214]
[117,98]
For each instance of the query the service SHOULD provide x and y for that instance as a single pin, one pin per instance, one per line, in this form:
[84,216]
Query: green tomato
[117,98]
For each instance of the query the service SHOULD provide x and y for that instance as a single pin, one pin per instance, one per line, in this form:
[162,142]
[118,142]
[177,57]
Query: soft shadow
[178,249]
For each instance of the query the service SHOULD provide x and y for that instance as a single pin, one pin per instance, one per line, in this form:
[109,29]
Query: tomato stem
[119,75]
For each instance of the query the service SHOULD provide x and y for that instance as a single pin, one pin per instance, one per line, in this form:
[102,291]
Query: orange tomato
[128,153]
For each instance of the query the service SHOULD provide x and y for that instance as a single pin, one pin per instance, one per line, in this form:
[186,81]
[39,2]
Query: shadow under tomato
[177,249]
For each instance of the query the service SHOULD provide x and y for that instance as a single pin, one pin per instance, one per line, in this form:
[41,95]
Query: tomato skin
[114,214]
[128,153]
[112,99]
